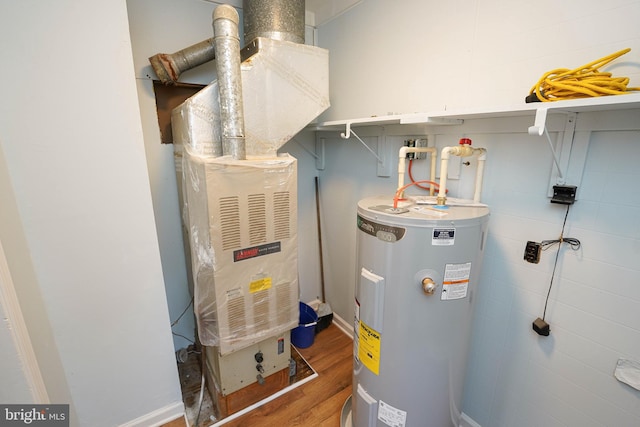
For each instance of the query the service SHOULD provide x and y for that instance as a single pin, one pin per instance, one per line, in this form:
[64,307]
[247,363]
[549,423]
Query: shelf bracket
[347,134]
[347,131]
[540,123]
[539,128]
[314,155]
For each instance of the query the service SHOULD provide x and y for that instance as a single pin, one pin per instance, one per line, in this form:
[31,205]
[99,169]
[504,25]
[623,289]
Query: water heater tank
[417,277]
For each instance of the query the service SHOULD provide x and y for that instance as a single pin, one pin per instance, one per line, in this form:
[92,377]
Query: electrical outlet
[416,142]
[532,252]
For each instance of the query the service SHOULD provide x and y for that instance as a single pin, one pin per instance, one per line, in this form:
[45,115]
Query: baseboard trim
[343,325]
[159,417]
[467,421]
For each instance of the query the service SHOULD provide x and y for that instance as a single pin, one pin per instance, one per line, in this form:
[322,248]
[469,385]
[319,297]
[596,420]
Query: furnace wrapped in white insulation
[240,216]
[242,223]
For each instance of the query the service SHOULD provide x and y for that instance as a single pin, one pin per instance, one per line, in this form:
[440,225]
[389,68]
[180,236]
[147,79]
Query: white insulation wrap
[242,221]
[285,86]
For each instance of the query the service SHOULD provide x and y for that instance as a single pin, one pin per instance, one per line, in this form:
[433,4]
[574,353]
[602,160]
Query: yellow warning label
[369,348]
[260,285]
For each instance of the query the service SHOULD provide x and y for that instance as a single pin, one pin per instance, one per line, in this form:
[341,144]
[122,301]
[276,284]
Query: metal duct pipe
[274,19]
[227,46]
[169,66]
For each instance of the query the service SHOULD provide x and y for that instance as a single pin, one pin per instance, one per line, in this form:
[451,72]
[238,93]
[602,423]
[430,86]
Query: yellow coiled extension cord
[582,82]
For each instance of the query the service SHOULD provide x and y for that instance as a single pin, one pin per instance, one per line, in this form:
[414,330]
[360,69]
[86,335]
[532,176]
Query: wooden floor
[317,403]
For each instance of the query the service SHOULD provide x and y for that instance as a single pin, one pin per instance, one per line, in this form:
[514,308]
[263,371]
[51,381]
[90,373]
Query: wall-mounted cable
[540,325]
[175,322]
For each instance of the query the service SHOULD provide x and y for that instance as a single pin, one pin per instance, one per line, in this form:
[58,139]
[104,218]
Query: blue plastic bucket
[303,335]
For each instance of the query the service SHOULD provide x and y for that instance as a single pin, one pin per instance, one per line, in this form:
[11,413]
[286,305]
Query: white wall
[71,136]
[427,56]
[20,274]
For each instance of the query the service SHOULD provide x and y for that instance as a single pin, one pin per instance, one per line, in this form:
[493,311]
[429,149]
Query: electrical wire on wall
[175,322]
[540,325]
[583,82]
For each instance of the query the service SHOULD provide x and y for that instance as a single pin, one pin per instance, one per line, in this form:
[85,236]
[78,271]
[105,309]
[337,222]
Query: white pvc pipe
[479,174]
[461,151]
[402,155]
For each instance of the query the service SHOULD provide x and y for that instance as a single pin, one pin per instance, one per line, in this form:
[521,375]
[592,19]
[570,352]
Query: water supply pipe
[402,155]
[169,66]
[227,46]
[462,150]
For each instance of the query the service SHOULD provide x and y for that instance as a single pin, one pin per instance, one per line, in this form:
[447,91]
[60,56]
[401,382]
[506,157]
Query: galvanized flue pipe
[274,19]
[226,42]
[169,66]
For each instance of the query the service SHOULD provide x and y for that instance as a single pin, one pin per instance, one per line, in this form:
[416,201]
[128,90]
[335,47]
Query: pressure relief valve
[463,149]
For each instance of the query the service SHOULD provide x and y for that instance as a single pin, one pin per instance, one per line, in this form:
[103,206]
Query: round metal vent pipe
[169,66]
[226,42]
[274,19]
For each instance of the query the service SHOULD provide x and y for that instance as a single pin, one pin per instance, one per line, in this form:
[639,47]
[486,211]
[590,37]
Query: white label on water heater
[391,416]
[443,236]
[456,281]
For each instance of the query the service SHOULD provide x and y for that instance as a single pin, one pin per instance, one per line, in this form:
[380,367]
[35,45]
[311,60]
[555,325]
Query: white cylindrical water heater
[418,271]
